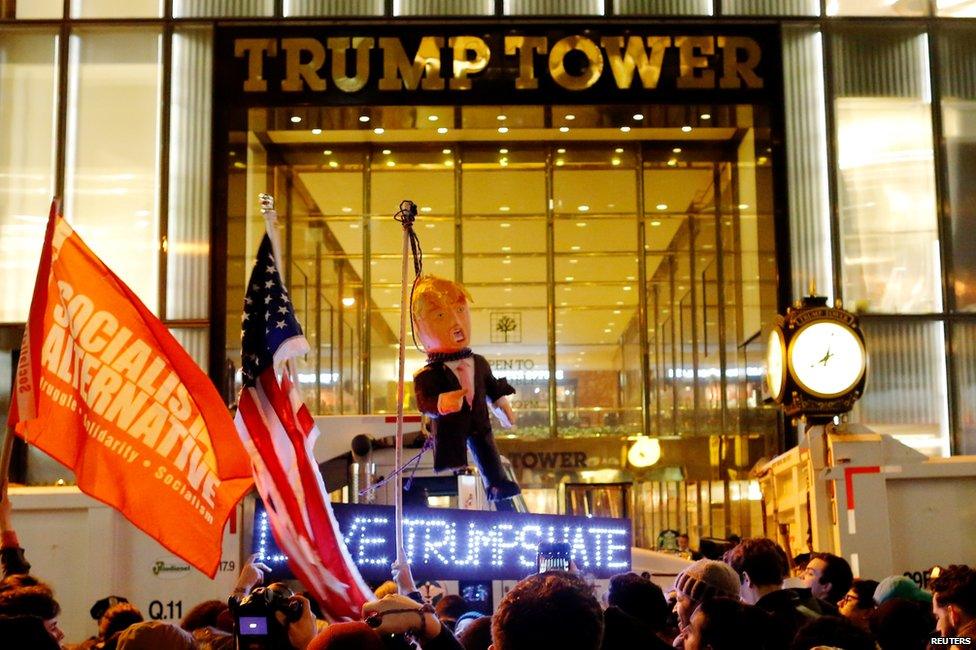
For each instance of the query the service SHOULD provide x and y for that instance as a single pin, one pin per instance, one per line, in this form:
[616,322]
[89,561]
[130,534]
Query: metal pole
[404,307]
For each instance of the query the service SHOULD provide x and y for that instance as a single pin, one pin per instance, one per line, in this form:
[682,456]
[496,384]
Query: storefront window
[886,174]
[116,8]
[28,72]
[877,7]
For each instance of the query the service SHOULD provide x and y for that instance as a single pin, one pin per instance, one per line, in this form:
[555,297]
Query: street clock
[816,361]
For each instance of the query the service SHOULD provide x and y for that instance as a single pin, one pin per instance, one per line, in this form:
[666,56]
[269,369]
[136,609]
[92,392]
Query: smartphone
[253,625]
[553,556]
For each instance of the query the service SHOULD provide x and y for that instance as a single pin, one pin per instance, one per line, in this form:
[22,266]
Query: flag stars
[269,284]
[269,268]
[282,310]
[281,324]
[267,299]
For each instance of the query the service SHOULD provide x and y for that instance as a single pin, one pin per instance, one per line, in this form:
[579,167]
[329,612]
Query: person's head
[800,564]
[33,601]
[205,614]
[476,635]
[828,577]
[441,318]
[117,618]
[833,632]
[901,624]
[450,608]
[26,632]
[683,541]
[354,635]
[18,580]
[954,598]
[640,598]
[761,565]
[153,635]
[700,581]
[727,624]
[900,587]
[858,602]
[554,609]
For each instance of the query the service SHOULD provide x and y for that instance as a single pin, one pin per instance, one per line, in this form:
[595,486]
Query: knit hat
[354,635]
[900,587]
[153,635]
[707,579]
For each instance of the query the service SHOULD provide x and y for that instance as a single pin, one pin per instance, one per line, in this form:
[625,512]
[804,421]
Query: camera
[255,625]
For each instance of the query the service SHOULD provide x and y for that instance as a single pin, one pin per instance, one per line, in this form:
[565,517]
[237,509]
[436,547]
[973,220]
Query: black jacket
[622,631]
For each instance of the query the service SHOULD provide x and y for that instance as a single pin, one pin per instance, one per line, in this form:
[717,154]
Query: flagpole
[406,217]
[271,226]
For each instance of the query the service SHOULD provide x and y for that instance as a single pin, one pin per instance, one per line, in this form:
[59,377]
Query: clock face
[826,358]
[775,363]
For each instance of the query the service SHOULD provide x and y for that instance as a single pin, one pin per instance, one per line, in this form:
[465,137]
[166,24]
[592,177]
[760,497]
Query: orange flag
[104,388]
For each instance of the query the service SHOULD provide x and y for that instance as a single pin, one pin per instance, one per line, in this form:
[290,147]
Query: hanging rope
[406,216]
[428,445]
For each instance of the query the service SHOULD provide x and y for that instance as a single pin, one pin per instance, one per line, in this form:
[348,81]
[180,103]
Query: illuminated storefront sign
[443,544]
[454,63]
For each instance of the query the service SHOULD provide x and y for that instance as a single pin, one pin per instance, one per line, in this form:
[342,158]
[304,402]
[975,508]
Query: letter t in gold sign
[527,47]
[255,49]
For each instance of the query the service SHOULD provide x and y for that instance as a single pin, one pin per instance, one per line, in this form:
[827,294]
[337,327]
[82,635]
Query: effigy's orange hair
[430,290]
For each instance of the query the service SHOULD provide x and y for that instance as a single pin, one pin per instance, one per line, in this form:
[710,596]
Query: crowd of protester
[754,598]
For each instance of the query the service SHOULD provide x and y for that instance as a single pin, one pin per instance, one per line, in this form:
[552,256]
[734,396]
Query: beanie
[707,579]
[354,635]
[153,635]
[900,587]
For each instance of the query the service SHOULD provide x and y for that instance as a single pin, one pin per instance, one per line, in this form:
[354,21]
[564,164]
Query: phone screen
[253,625]
[553,556]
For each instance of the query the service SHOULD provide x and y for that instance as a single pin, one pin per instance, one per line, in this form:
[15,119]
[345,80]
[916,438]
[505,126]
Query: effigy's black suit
[469,427]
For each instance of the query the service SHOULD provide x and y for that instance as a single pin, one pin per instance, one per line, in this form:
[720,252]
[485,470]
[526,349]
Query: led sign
[443,544]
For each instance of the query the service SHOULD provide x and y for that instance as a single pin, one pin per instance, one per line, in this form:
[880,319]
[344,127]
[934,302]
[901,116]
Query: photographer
[272,617]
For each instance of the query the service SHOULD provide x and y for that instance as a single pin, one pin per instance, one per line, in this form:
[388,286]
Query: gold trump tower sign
[442,64]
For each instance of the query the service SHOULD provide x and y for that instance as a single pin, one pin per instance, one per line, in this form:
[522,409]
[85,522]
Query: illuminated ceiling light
[743,206]
[379,130]
[316,131]
[672,162]
[573,261]
[560,150]
[445,151]
[662,206]
[686,129]
[644,452]
[436,249]
[507,260]
[364,118]
[390,163]
[638,116]
[762,160]
[620,302]
[430,225]
[354,226]
[501,118]
[627,288]
[333,164]
[616,311]
[425,208]
[503,151]
[607,331]
[581,224]
[618,150]
[505,225]
[570,117]
[564,129]
[387,152]
[449,162]
[560,162]
[655,223]
[348,301]
[625,129]
[346,209]
[506,248]
[503,162]
[295,119]
[583,208]
[615,161]
[503,129]
[676,150]
[432,118]
[327,152]
[706,116]
[574,248]
[504,208]
[569,278]
[442,130]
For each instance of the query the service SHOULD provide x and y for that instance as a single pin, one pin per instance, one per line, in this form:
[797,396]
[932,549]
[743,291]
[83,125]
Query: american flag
[279,434]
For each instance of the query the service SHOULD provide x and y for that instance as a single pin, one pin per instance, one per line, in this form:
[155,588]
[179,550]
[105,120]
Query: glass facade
[645,319]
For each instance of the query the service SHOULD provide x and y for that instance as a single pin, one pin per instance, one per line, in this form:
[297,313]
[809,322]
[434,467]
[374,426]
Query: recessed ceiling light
[638,116]
[615,161]
[504,208]
[295,119]
[506,279]
[573,261]
[501,118]
[574,248]
[625,129]
[503,162]
[333,163]
[430,225]
[507,260]
[686,128]
[354,226]
[743,206]
[316,131]
[503,129]
[348,301]
[618,150]
[505,225]
[616,311]
[379,130]
[607,331]
[449,162]
[432,118]
[570,117]
[706,116]
[387,152]
[346,209]
[569,278]
[436,249]
[503,150]
[327,152]
[672,162]
[627,288]
[364,118]
[425,208]
[390,163]
[506,248]
[655,223]
[564,129]
[560,162]
[583,208]
[662,206]
[442,130]
[581,224]
[560,150]
[676,150]
[445,151]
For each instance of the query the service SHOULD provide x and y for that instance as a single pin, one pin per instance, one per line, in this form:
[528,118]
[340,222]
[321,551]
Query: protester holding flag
[279,434]
[104,388]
